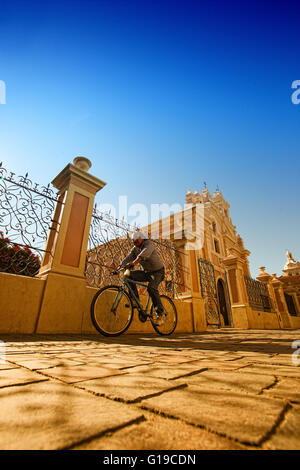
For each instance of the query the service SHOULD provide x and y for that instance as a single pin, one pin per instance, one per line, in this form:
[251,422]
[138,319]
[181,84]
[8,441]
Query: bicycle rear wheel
[111,311]
[169,317]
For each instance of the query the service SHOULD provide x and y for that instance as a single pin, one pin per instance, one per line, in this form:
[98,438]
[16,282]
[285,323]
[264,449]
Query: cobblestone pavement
[219,390]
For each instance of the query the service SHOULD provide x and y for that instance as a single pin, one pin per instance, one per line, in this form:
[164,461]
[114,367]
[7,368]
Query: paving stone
[117,363]
[231,357]
[55,415]
[73,374]
[217,364]
[19,376]
[279,360]
[231,380]
[286,388]
[287,435]
[39,364]
[275,370]
[157,433]
[167,372]
[7,365]
[99,355]
[253,354]
[282,359]
[218,404]
[206,353]
[172,360]
[23,356]
[244,417]
[128,387]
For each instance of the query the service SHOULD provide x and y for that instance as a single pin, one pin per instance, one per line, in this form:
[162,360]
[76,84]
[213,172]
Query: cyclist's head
[138,238]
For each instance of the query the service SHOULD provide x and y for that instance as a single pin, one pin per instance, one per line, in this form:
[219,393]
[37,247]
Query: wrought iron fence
[26,211]
[209,292]
[258,295]
[110,241]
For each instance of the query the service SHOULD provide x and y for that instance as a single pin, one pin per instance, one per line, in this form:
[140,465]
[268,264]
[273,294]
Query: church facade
[216,271]
[290,280]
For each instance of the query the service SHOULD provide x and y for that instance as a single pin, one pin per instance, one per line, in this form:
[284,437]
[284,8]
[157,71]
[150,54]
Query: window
[290,304]
[214,227]
[217,246]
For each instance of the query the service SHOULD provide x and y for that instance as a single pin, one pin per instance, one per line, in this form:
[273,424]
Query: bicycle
[112,309]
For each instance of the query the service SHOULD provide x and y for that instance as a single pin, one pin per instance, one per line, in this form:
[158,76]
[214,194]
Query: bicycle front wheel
[111,311]
[168,319]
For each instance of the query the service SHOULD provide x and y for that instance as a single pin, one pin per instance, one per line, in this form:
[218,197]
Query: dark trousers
[154,280]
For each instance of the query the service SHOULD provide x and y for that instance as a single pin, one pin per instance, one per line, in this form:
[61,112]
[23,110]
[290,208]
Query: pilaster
[63,301]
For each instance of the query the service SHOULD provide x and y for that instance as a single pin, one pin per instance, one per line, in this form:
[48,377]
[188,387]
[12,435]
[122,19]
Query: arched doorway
[222,302]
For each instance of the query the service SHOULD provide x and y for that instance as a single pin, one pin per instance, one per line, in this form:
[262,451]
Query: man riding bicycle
[144,253]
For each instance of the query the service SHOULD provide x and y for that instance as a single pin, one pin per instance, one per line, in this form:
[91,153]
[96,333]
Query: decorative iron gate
[257,295]
[209,292]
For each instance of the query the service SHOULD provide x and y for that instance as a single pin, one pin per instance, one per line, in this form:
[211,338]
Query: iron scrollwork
[257,295]
[209,292]
[26,211]
[110,241]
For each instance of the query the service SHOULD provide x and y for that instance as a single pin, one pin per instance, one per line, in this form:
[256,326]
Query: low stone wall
[263,320]
[245,317]
[20,302]
[295,322]
[240,317]
[61,304]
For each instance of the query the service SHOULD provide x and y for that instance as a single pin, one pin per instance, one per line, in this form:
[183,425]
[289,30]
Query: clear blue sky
[162,96]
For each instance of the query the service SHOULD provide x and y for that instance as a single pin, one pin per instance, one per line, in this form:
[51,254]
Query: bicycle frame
[127,282]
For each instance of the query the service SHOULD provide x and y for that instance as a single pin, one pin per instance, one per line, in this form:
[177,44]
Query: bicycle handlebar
[117,271]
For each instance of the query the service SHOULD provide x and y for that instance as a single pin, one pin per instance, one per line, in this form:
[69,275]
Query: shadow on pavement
[263,341]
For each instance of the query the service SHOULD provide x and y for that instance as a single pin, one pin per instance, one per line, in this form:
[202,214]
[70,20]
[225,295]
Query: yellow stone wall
[20,302]
[65,307]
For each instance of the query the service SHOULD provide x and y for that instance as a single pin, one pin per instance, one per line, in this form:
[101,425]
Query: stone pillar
[199,316]
[266,279]
[280,302]
[296,302]
[263,276]
[244,256]
[63,302]
[234,266]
